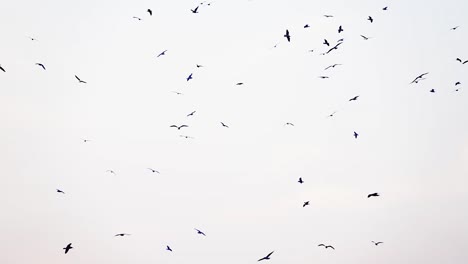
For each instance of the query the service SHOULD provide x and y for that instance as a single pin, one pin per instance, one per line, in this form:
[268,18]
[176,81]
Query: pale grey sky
[237,184]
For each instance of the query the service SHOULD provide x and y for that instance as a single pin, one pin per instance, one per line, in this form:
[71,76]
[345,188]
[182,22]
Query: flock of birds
[289,38]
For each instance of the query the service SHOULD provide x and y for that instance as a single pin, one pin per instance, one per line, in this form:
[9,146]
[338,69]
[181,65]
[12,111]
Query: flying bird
[200,232]
[385,8]
[79,80]
[335,47]
[327,16]
[326,246]
[325,42]
[150,12]
[418,78]
[86,140]
[162,53]
[168,248]
[178,93]
[2,69]
[300,180]
[191,114]
[332,114]
[376,243]
[364,37]
[354,98]
[153,171]
[370,19]
[287,36]
[332,66]
[267,257]
[289,124]
[305,204]
[122,234]
[355,134]
[324,77]
[340,29]
[454,28]
[239,83]
[306,26]
[432,91]
[199,66]
[111,171]
[41,65]
[224,125]
[179,127]
[184,136]
[330,247]
[189,77]
[373,195]
[195,11]
[60,191]
[67,248]
[139,19]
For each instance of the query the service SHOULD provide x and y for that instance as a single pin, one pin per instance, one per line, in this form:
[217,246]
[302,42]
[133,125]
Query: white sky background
[238,185]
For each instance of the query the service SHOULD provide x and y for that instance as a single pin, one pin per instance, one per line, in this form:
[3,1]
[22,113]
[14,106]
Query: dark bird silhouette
[385,8]
[458,59]
[179,127]
[195,11]
[86,140]
[327,16]
[340,29]
[364,37]
[153,171]
[432,91]
[289,124]
[139,19]
[332,114]
[287,36]
[67,248]
[122,234]
[335,47]
[189,77]
[150,12]
[306,26]
[373,195]
[41,65]
[199,66]
[224,125]
[191,114]
[332,66]
[267,257]
[326,246]
[325,42]
[111,171]
[324,77]
[355,134]
[376,243]
[370,19]
[239,83]
[188,137]
[178,93]
[168,248]
[418,78]
[2,69]
[300,180]
[79,80]
[32,39]
[200,232]
[354,98]
[162,53]
[330,247]
[60,191]
[454,28]
[457,83]
[305,204]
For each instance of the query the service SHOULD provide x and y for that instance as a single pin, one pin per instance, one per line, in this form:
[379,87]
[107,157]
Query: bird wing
[321,245]
[183,126]
[330,247]
[1,68]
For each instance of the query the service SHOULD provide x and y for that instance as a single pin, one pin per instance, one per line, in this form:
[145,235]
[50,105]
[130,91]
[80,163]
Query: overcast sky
[237,184]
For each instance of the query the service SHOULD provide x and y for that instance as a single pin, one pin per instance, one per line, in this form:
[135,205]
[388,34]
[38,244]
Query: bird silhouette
[355,134]
[41,65]
[200,232]
[184,136]
[195,11]
[239,83]
[67,248]
[2,69]
[364,37]
[137,18]
[323,77]
[86,140]
[305,204]
[224,125]
[289,124]
[335,47]
[419,77]
[179,127]
[150,12]
[325,42]
[189,77]
[178,93]
[454,28]
[326,246]
[153,171]
[60,191]
[373,195]
[122,234]
[191,114]
[376,243]
[332,66]
[168,248]
[385,8]
[432,91]
[370,19]
[267,257]
[457,83]
[354,98]
[330,247]
[340,29]
[287,36]
[79,80]
[300,180]
[199,66]
[332,114]
[327,16]
[306,26]
[161,54]
[111,171]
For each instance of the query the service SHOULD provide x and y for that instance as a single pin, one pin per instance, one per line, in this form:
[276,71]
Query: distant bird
[188,137]
[168,248]
[327,16]
[370,19]
[2,69]
[178,93]
[189,77]
[340,40]
[111,171]
[200,232]
[239,83]
[332,114]
[60,191]
[311,50]
[153,171]
[354,98]
[79,80]
[340,29]
[150,12]
[457,83]
[162,53]
[454,28]
[364,37]
[385,8]
[332,66]
[355,134]
[191,114]
[224,125]
[458,59]
[195,11]
[287,36]
[289,124]
[199,66]
[122,234]
[325,42]
[432,91]
[376,243]
[267,257]
[139,19]
[373,195]
[324,77]
[86,140]
[41,65]
[335,47]
[179,127]
[300,180]
[32,39]
[418,78]
[325,246]
[305,204]
[306,26]
[330,247]
[68,247]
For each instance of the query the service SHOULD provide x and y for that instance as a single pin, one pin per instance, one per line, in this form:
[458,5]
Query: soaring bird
[355,134]
[325,42]
[179,127]
[79,80]
[332,66]
[326,246]
[432,91]
[224,125]
[162,53]
[1,68]
[153,170]
[200,232]
[195,11]
[139,19]
[150,12]
[178,93]
[372,195]
[340,29]
[199,66]
[418,78]
[329,246]
[41,65]
[122,234]
[354,98]
[191,114]
[187,137]
[267,257]
[287,36]
[111,171]
[327,16]
[364,37]
[332,114]
[306,26]
[168,248]
[300,180]
[335,47]
[385,8]
[189,77]
[86,140]
[289,124]
[370,19]
[68,247]
[60,191]
[376,243]
[239,83]
[454,28]
[323,77]
[305,204]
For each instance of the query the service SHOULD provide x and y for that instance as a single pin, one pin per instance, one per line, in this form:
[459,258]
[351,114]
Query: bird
[184,136]
[287,36]
[332,66]
[179,127]
[370,19]
[111,171]
[418,78]
[323,77]
[199,66]
[300,180]
[354,98]
[289,124]
[327,16]
[32,39]
[153,170]
[373,195]
[364,37]
[385,8]
[454,28]
[191,114]
[200,232]
[122,234]
[162,53]
[67,248]
[267,257]
[86,140]
[306,26]
[321,245]
[355,134]
[340,29]
[432,91]
[329,246]
[326,246]
[305,204]
[224,125]
[79,80]
[325,42]
[457,83]
[139,19]
[376,243]
[239,83]
[2,69]
[458,59]
[150,12]
[41,65]
[189,77]
[332,114]
[195,11]
[178,93]
[168,248]
[60,191]
[335,47]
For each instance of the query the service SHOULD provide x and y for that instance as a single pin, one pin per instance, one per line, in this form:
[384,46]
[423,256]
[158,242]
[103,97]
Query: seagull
[239,83]
[287,36]
[162,53]
[153,171]
[418,78]
[454,28]
[289,124]
[199,66]
[32,39]
[189,77]
[306,26]
[376,243]
[224,125]
[200,232]
[432,91]
[122,234]
[139,19]
[195,11]
[79,80]
[355,134]
[68,247]
[332,66]
[168,248]
[325,41]
[300,180]
[364,37]
[370,19]
[373,195]
[327,16]
[86,140]
[385,8]
[332,114]
[305,204]
[266,257]
[354,98]
[178,93]
[324,77]
[150,12]
[111,171]
[329,246]
[1,68]
[60,191]
[191,114]
[340,29]
[335,47]
[41,65]
[188,137]
[179,127]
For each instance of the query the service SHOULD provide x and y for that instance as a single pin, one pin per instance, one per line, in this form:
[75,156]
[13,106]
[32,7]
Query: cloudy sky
[237,184]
